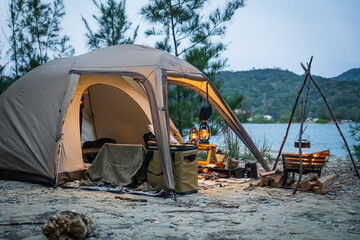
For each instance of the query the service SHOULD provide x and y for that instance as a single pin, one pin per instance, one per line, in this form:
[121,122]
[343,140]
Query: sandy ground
[262,213]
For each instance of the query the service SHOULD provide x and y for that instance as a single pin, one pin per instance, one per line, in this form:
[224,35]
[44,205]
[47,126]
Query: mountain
[351,75]
[273,92]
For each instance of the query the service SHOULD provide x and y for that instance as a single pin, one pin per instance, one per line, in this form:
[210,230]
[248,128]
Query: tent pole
[59,157]
[92,113]
[337,125]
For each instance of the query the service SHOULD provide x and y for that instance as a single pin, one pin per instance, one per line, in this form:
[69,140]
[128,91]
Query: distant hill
[351,75]
[273,92]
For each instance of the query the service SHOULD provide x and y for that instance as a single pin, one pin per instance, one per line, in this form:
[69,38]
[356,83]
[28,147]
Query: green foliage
[264,149]
[232,144]
[35,34]
[113,25]
[355,133]
[4,80]
[350,75]
[261,119]
[320,120]
[279,88]
[186,29]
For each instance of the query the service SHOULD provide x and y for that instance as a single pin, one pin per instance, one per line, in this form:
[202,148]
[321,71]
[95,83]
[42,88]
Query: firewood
[330,188]
[307,186]
[327,180]
[255,183]
[263,176]
[279,180]
[313,177]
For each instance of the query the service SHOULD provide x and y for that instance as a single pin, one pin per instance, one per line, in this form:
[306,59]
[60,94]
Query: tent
[39,114]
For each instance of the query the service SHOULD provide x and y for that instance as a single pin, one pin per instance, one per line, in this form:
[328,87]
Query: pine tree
[113,25]
[3,78]
[35,34]
[16,39]
[189,33]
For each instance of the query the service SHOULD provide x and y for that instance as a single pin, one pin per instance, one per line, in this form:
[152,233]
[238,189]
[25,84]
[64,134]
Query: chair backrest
[312,161]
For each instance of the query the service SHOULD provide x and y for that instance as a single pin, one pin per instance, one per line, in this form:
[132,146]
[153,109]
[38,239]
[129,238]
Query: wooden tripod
[308,75]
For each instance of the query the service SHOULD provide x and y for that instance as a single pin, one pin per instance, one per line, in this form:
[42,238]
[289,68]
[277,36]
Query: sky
[263,34]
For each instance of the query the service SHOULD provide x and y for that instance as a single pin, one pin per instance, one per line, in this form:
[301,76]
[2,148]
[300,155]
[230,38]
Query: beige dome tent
[39,114]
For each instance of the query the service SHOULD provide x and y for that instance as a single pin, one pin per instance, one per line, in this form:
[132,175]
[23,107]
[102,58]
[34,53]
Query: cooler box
[185,159]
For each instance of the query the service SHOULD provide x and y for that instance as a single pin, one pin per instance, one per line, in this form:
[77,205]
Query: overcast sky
[263,34]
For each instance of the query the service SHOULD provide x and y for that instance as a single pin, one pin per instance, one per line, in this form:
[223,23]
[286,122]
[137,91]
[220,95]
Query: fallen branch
[131,199]
[22,223]
[191,211]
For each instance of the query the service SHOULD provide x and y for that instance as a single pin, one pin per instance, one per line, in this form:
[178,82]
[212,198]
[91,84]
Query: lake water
[322,137]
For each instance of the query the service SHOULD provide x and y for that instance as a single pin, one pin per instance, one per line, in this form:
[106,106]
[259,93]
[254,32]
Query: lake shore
[262,213]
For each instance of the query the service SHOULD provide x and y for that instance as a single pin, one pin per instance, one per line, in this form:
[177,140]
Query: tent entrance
[108,112]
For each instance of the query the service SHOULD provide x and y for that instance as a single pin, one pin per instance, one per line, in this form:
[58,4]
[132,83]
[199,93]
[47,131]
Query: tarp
[116,164]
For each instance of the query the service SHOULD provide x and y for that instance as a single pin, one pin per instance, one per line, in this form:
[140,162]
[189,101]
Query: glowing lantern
[204,132]
[193,136]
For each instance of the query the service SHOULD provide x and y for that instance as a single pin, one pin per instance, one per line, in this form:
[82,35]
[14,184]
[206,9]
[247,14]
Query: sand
[220,210]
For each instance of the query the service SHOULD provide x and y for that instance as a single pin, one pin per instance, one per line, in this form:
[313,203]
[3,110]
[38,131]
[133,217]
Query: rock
[236,221]
[258,229]
[299,200]
[352,212]
[202,205]
[110,233]
[274,204]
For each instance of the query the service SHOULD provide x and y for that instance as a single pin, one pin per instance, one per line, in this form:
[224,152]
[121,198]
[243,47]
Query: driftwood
[226,204]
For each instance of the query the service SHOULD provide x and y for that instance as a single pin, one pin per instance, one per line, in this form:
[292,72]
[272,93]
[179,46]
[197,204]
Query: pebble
[258,229]
[352,212]
[236,221]
[299,200]
[274,204]
[110,233]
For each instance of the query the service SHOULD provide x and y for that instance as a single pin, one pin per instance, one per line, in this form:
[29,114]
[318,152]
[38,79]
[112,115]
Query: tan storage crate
[185,159]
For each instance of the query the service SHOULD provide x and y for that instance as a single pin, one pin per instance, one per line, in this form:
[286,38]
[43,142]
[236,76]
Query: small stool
[210,148]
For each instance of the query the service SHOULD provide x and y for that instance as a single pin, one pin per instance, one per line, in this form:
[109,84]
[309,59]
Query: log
[330,188]
[279,180]
[313,177]
[307,186]
[263,176]
[327,180]
[255,183]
